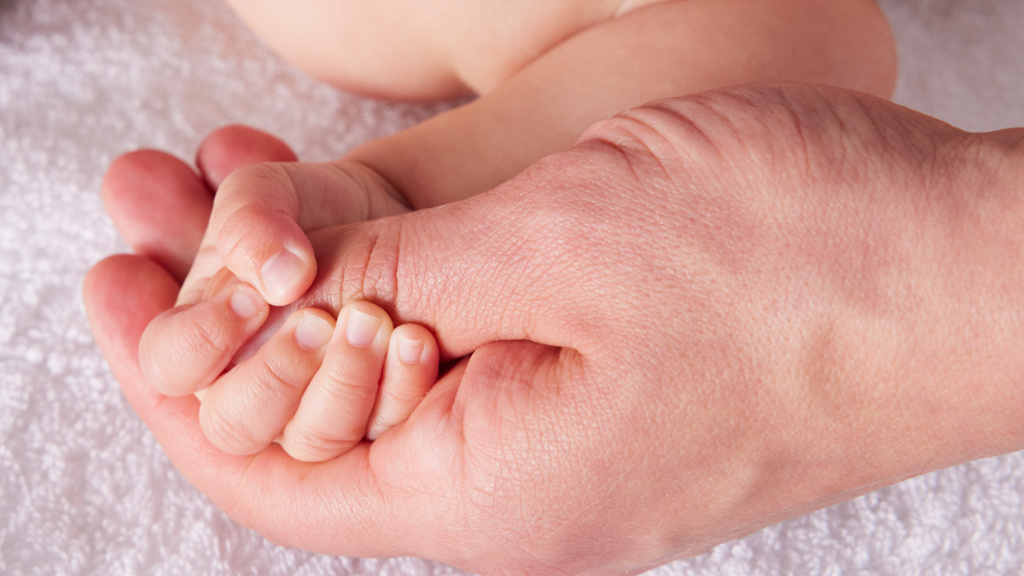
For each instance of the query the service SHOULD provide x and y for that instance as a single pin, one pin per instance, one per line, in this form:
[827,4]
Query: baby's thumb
[255,229]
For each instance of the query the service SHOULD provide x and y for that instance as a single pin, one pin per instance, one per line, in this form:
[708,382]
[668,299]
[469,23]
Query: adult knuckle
[766,133]
[665,132]
[380,277]
[370,264]
[1000,155]
[666,147]
[985,171]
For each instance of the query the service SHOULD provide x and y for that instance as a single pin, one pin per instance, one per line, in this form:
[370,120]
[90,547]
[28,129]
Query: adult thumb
[501,265]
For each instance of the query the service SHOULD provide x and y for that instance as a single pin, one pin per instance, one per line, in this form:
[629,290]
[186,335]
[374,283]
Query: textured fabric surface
[84,489]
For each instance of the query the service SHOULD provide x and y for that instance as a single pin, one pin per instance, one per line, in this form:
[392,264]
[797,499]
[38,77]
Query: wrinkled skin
[711,314]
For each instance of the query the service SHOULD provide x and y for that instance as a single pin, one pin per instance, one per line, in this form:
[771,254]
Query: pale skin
[541,85]
[816,295]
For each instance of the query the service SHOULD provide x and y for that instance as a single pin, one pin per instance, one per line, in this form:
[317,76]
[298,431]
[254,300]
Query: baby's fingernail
[313,332]
[246,302]
[410,350]
[280,272]
[361,328]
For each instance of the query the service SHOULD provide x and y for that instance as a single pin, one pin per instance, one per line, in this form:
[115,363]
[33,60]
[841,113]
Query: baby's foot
[316,388]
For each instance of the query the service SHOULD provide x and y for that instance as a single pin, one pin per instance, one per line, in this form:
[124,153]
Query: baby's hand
[263,213]
[258,226]
[315,387]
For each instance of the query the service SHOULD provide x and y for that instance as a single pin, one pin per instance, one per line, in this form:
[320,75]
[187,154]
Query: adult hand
[713,313]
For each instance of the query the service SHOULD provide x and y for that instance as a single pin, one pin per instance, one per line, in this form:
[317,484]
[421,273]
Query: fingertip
[126,291]
[255,231]
[233,147]
[410,371]
[410,350]
[287,273]
[111,279]
[246,303]
[159,205]
[366,324]
[415,344]
[122,294]
[185,349]
[314,329]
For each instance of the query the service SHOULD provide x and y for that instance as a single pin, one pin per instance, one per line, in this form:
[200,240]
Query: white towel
[84,489]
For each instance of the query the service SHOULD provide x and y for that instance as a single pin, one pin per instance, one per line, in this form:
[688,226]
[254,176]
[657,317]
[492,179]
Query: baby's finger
[333,413]
[410,371]
[249,406]
[255,229]
[184,349]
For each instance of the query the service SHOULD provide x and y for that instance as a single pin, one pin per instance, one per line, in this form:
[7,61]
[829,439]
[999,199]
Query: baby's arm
[661,50]
[658,51]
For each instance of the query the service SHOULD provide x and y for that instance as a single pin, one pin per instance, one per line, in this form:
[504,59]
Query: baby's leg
[667,49]
[317,388]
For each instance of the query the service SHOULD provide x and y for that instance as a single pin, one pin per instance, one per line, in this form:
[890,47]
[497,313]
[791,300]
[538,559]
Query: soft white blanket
[83,487]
